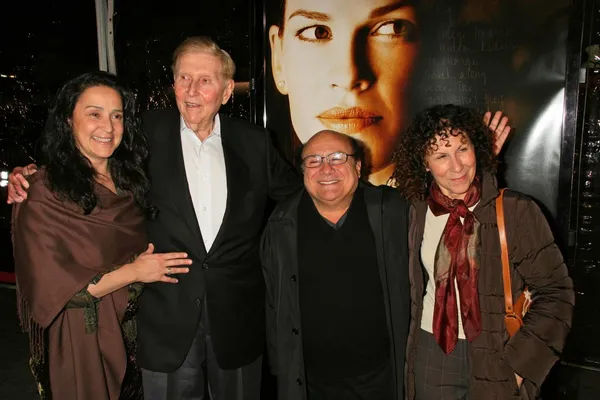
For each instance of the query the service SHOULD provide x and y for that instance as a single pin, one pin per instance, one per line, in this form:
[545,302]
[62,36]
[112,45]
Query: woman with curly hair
[75,244]
[458,346]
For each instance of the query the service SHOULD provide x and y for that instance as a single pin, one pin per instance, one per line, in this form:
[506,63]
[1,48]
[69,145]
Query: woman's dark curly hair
[410,174]
[69,174]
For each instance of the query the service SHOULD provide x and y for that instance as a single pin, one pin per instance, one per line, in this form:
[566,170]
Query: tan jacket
[537,263]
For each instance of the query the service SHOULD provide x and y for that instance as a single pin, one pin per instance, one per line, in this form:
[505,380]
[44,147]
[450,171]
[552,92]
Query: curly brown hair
[410,175]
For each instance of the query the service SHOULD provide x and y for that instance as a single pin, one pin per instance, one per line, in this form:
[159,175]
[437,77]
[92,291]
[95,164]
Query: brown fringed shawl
[58,251]
[456,259]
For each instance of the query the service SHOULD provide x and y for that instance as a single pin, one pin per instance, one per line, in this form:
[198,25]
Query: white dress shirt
[205,170]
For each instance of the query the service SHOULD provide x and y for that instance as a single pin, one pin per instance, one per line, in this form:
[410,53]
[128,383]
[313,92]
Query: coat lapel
[375,210]
[373,199]
[374,202]
[417,273]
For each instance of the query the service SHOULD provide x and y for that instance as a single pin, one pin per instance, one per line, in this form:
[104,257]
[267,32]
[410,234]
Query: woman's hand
[150,267]
[499,127]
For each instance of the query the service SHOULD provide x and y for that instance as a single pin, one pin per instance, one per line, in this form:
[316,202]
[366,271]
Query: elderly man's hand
[17,183]
[499,126]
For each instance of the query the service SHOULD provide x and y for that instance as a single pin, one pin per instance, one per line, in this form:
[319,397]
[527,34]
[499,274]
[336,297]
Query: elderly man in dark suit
[211,178]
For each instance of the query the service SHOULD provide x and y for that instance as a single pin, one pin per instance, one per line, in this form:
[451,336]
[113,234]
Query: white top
[205,170]
[434,227]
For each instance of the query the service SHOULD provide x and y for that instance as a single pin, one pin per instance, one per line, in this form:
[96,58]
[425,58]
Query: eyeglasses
[315,161]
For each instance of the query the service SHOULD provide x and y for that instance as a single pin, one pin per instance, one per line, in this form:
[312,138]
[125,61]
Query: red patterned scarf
[456,259]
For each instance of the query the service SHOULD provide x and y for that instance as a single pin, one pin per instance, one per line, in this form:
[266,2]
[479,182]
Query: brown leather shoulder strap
[508,300]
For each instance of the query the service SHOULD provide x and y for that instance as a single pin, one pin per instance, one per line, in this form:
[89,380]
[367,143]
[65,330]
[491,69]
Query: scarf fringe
[36,332]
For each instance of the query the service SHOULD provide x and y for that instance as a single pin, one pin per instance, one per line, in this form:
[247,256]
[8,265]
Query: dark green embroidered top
[84,299]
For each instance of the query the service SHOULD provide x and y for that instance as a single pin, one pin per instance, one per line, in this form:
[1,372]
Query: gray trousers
[446,376]
[201,378]
[440,376]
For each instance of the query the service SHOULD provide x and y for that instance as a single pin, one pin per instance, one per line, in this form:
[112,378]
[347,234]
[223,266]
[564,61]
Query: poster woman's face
[345,66]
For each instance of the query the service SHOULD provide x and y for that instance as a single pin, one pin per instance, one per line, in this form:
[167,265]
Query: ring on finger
[168,271]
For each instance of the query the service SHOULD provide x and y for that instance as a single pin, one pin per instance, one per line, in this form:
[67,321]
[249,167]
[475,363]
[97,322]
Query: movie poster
[364,67]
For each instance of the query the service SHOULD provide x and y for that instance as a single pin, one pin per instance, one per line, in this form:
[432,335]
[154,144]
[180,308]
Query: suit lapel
[180,190]
[236,172]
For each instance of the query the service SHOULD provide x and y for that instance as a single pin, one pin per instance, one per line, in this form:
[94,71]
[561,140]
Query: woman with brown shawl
[76,239]
[458,346]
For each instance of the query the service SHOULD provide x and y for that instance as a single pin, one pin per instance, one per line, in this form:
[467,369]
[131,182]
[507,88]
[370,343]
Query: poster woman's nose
[349,69]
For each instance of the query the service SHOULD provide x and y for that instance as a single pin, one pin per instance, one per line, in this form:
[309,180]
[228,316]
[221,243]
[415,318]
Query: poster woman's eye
[315,33]
[397,28]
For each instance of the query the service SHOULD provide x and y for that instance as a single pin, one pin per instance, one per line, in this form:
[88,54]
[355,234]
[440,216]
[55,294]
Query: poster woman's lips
[348,120]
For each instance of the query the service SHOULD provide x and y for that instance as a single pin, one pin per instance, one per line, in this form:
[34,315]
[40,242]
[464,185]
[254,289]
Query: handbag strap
[508,300]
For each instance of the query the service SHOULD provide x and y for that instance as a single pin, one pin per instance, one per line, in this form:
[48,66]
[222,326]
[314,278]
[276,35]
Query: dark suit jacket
[229,277]
[388,217]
